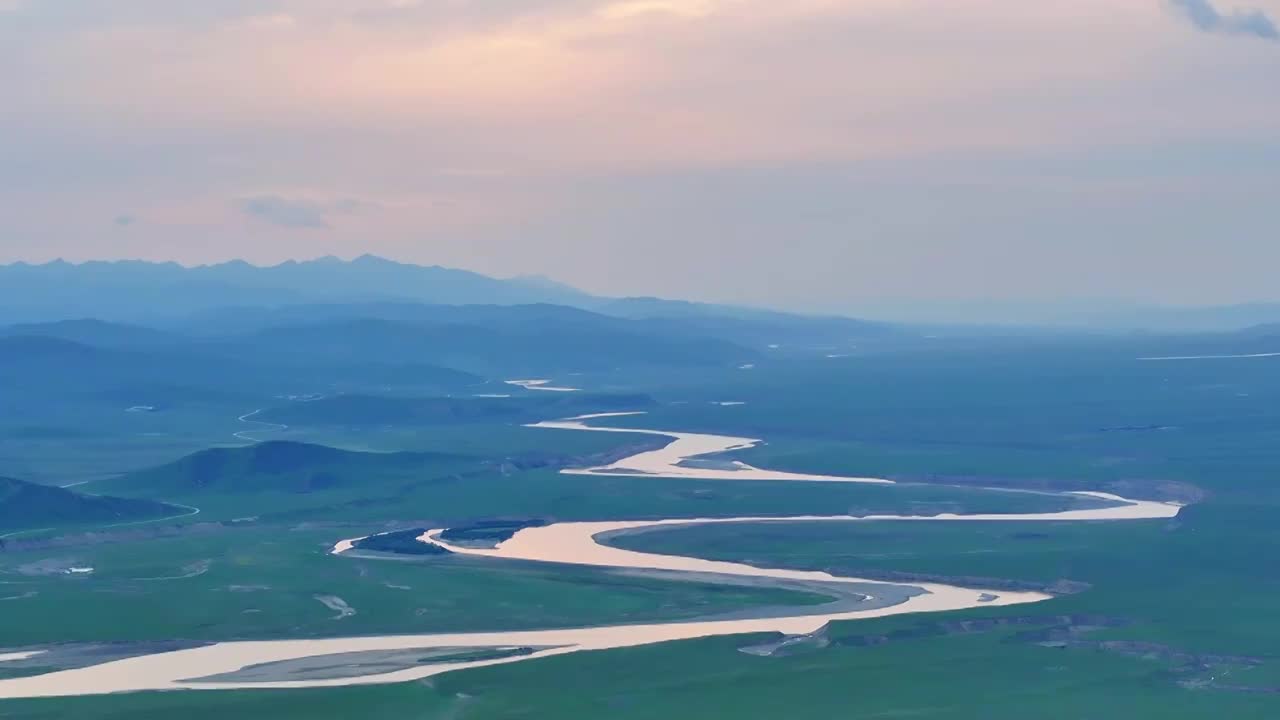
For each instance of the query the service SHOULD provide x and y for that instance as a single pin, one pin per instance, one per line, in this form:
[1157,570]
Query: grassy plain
[934,678]
[262,582]
[1087,415]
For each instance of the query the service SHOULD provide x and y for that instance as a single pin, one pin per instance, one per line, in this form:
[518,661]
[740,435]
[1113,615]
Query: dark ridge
[27,505]
[272,466]
[401,542]
[489,531]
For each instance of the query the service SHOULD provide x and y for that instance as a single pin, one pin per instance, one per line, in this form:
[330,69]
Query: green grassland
[262,582]
[981,675]
[515,406]
[1075,416]
[453,495]
[1169,580]
[88,440]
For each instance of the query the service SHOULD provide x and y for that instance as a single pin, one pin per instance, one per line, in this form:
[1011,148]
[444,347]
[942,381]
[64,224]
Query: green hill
[91,331]
[290,467]
[26,505]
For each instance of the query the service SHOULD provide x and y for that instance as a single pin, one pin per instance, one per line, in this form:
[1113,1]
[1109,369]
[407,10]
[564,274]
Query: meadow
[1177,621]
[229,583]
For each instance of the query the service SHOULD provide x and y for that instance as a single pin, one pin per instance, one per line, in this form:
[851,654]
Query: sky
[811,154]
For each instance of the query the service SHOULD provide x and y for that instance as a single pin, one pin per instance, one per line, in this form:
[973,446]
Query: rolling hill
[236,297]
[279,466]
[25,506]
[91,331]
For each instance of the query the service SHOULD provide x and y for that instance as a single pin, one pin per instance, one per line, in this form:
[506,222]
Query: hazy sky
[812,153]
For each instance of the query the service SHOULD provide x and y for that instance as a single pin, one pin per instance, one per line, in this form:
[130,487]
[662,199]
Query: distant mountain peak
[370,259]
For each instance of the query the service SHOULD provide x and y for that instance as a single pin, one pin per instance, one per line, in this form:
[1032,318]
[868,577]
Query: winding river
[383,659]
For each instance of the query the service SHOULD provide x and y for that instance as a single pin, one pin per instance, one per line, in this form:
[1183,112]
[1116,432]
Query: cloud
[633,8]
[285,212]
[1206,17]
[563,136]
[275,21]
[302,212]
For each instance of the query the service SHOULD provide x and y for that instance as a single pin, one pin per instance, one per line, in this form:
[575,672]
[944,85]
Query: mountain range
[155,293]
[136,290]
